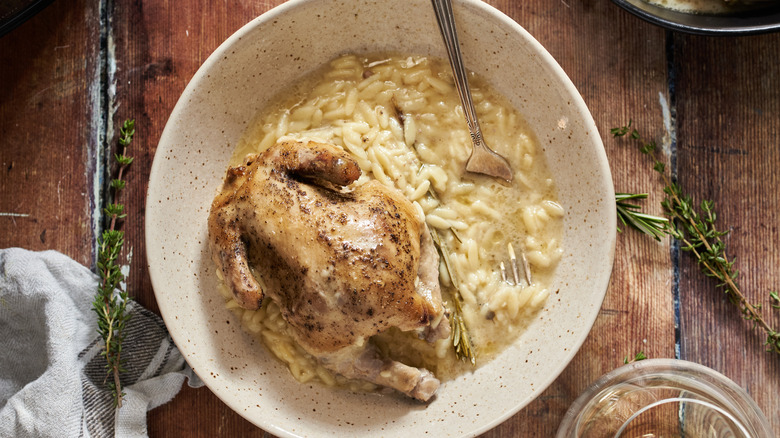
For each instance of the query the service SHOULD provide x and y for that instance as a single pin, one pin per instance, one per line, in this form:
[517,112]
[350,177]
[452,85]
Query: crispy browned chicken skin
[342,265]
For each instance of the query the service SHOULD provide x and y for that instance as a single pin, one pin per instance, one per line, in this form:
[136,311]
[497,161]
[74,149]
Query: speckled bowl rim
[167,269]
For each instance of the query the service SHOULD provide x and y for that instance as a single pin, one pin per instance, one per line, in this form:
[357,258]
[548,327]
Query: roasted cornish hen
[342,264]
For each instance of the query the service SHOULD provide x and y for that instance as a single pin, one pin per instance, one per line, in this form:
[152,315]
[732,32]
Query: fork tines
[516,267]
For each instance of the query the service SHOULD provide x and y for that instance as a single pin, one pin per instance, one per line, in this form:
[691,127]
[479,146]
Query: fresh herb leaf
[461,340]
[637,357]
[630,215]
[110,303]
[775,299]
[695,229]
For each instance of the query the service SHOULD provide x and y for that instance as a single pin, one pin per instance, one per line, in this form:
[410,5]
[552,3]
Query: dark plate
[16,12]
[748,22]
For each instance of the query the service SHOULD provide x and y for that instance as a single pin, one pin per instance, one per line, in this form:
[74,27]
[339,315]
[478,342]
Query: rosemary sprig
[696,231]
[630,215]
[461,340]
[110,306]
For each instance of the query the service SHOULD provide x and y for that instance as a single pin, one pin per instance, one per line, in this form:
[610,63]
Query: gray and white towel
[51,372]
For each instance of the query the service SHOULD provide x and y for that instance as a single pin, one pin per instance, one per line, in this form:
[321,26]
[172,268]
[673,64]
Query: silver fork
[483,159]
[516,267]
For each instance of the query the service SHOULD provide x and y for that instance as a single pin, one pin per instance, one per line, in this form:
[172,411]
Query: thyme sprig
[461,340]
[111,300]
[637,357]
[696,231]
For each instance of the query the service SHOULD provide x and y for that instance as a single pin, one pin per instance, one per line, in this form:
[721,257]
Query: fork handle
[446,20]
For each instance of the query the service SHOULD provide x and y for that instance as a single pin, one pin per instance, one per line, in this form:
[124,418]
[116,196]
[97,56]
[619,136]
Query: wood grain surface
[49,131]
[712,103]
[728,122]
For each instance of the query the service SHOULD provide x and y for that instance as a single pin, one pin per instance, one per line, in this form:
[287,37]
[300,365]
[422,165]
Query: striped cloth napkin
[51,371]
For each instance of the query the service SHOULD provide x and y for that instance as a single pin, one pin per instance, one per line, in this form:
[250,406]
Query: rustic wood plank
[728,91]
[158,48]
[198,413]
[615,89]
[48,129]
[594,43]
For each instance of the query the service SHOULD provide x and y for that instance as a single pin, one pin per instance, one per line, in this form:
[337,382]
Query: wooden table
[70,75]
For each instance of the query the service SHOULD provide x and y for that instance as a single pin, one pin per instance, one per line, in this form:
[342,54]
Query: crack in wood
[674,248]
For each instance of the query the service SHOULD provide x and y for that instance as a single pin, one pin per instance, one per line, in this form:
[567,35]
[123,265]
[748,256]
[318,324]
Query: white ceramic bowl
[236,81]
